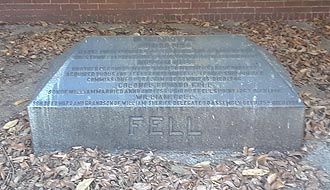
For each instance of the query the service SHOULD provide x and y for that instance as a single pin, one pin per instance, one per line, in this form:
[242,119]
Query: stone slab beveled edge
[54,67]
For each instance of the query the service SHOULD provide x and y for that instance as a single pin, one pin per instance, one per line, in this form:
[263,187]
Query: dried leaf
[206,24]
[10,124]
[271,178]
[222,168]
[162,33]
[291,185]
[62,170]
[147,159]
[205,164]
[239,162]
[179,169]
[255,172]
[277,185]
[216,177]
[201,187]
[4,51]
[262,157]
[18,146]
[21,101]
[84,184]
[43,23]
[230,184]
[142,186]
[24,51]
[245,150]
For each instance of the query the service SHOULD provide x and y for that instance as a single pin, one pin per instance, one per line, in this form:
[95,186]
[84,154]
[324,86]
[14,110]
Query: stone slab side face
[167,93]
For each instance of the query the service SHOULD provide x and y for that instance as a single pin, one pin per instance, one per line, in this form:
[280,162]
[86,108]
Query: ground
[26,52]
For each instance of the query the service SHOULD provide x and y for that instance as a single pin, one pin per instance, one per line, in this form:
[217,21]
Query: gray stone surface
[167,93]
[325,43]
[319,155]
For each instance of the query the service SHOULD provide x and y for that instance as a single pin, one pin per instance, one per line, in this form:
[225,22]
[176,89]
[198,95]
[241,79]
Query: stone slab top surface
[167,71]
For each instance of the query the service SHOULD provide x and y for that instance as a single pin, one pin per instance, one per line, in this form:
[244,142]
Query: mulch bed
[298,48]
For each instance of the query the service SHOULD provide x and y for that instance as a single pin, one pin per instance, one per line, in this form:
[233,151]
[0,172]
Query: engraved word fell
[160,125]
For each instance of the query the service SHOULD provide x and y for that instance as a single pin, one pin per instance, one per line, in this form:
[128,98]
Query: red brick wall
[135,10]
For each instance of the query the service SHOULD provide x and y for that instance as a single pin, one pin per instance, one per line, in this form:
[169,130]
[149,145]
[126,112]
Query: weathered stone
[168,93]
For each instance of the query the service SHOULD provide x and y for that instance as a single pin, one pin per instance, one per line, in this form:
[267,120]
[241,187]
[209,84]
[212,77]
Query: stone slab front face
[167,93]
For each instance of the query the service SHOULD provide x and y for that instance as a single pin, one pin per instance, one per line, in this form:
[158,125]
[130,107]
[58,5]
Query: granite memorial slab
[167,93]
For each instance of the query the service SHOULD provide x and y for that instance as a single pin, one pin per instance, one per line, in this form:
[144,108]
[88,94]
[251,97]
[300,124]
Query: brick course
[137,10]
